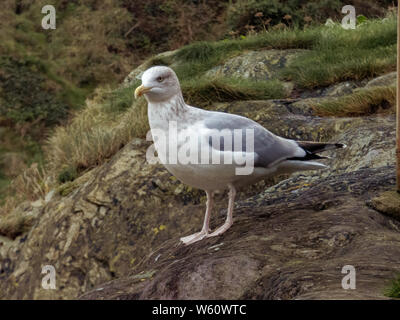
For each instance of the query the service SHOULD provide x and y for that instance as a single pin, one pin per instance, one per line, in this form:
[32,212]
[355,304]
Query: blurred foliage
[393,291]
[27,95]
[67,174]
[161,25]
[256,15]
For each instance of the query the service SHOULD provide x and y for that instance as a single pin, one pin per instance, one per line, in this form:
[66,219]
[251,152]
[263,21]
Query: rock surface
[287,245]
[255,65]
[389,79]
[114,232]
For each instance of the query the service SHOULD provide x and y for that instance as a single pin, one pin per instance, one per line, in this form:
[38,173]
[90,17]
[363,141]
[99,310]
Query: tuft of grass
[95,134]
[30,185]
[393,290]
[67,174]
[362,102]
[119,100]
[205,91]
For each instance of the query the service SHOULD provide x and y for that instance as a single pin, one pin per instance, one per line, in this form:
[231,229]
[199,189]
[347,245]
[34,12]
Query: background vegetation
[393,290]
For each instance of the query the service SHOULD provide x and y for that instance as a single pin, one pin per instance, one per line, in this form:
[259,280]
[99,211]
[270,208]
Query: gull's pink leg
[206,224]
[229,219]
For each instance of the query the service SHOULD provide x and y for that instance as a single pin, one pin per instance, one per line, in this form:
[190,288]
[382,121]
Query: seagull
[177,128]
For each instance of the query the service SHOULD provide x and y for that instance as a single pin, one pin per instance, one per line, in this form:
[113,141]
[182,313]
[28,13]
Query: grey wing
[268,148]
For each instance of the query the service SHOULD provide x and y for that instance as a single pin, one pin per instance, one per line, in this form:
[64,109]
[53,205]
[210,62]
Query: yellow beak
[140,91]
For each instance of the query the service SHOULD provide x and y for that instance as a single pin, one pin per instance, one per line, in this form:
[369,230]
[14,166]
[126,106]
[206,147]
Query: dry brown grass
[94,135]
[31,185]
[32,182]
[362,102]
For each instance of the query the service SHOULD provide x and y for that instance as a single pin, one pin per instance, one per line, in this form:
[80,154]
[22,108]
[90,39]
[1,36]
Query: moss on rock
[388,203]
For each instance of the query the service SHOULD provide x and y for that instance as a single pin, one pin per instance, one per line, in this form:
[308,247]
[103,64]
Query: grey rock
[256,65]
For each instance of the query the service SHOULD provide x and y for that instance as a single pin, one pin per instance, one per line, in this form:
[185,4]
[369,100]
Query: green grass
[206,91]
[393,291]
[119,99]
[333,54]
[341,55]
[4,182]
[278,39]
[32,92]
[197,58]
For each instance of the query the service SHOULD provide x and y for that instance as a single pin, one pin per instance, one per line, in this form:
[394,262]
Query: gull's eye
[160,79]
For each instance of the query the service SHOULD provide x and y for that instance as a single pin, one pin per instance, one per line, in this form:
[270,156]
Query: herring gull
[178,128]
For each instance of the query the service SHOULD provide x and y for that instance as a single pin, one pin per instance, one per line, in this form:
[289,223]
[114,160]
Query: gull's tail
[311,153]
[313,148]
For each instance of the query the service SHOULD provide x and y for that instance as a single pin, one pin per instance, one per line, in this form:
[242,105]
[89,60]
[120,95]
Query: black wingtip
[308,156]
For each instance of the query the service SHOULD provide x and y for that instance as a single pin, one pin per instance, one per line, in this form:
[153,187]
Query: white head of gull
[215,165]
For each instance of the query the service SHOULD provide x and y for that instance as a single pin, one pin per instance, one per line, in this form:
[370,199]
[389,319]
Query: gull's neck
[160,113]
